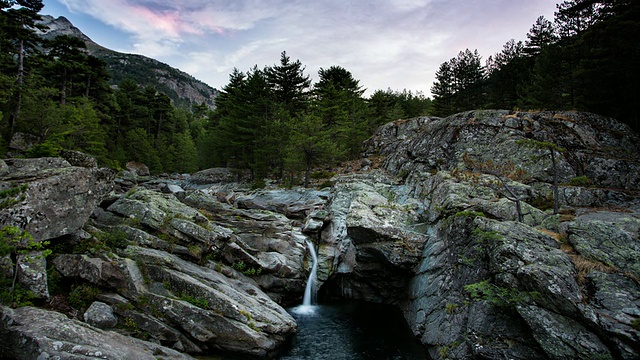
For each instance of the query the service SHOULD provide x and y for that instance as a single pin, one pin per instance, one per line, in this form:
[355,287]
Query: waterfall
[310,290]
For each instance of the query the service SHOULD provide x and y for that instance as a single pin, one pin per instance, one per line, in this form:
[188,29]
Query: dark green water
[348,330]
[351,330]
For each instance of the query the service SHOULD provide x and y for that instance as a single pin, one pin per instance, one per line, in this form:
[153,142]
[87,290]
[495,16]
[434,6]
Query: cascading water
[347,329]
[310,290]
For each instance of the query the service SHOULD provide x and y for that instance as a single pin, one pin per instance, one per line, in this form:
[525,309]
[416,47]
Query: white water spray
[310,290]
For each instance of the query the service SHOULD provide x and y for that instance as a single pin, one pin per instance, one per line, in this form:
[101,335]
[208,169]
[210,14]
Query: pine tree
[309,145]
[339,102]
[541,34]
[289,85]
[507,71]
[443,90]
[18,20]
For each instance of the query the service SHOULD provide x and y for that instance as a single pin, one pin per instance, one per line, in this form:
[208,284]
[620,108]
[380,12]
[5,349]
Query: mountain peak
[181,87]
[61,26]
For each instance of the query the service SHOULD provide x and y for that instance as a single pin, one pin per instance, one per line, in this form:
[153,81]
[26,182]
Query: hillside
[181,87]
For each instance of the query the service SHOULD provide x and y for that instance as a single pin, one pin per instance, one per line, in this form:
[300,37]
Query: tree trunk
[307,170]
[63,88]
[555,183]
[19,82]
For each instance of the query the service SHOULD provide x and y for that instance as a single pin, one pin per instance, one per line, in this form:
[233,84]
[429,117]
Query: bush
[83,295]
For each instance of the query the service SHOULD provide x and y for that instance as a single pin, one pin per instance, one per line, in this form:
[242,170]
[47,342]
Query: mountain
[181,87]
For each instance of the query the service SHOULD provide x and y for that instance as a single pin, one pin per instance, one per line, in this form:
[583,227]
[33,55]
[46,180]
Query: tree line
[272,121]
[587,58]
[275,122]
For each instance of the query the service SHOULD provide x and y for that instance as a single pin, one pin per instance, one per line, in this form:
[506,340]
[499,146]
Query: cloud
[397,44]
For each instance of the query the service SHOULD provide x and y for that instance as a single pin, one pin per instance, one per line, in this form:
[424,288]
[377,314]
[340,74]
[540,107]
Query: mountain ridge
[182,88]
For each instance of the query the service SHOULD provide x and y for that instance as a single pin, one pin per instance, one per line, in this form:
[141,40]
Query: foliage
[483,236]
[13,195]
[496,295]
[585,59]
[201,303]
[81,296]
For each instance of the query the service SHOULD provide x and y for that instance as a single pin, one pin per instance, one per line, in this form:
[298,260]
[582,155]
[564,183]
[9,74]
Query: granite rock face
[52,198]
[483,284]
[32,333]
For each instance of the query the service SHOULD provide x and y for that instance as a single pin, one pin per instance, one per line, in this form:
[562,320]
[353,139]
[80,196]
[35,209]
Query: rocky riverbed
[452,220]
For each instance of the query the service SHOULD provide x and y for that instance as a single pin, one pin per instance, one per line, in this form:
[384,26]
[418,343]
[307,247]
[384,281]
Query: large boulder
[31,333]
[207,308]
[51,198]
[218,176]
[100,315]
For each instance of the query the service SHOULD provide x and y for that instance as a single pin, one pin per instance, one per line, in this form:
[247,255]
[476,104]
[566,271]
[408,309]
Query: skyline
[397,45]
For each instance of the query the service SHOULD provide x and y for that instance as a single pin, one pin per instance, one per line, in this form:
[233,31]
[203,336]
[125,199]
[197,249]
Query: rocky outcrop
[43,199]
[489,281]
[50,198]
[457,229]
[31,333]
[192,274]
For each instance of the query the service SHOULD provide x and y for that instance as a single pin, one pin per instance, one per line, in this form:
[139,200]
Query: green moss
[636,324]
[201,303]
[469,213]
[451,308]
[483,236]
[322,174]
[240,266]
[496,295]
[580,181]
[114,239]
[131,325]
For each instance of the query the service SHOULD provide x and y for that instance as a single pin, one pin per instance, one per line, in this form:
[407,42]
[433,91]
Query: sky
[385,44]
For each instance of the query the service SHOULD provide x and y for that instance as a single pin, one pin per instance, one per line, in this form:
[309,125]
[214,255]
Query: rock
[218,176]
[615,308]
[100,315]
[31,333]
[609,238]
[492,134]
[154,209]
[482,284]
[22,141]
[295,204]
[137,168]
[30,167]
[77,158]
[369,243]
[172,189]
[561,337]
[4,168]
[230,314]
[263,239]
[32,273]
[110,273]
[6,267]
[56,199]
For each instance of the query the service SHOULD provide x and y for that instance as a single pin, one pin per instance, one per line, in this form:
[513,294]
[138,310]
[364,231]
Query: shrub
[496,295]
[83,295]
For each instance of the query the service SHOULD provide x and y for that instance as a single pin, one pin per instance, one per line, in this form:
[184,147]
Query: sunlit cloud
[385,44]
